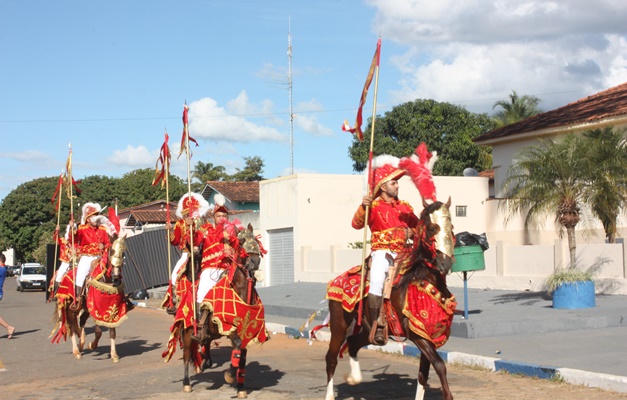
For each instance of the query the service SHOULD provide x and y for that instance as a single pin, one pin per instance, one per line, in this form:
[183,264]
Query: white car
[32,276]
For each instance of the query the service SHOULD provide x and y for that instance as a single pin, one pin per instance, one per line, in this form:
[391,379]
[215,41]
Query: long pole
[191,225]
[167,205]
[56,241]
[367,216]
[289,88]
[71,196]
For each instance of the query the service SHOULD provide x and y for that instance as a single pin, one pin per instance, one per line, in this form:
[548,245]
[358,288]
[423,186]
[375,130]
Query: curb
[571,376]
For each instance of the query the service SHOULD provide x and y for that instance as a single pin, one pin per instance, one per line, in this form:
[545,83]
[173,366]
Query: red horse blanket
[183,319]
[430,314]
[231,313]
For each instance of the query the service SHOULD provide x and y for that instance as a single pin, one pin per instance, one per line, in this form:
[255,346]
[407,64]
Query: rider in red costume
[392,223]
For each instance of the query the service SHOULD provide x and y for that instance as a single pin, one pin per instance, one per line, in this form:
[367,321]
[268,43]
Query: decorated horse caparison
[105,302]
[236,312]
[420,307]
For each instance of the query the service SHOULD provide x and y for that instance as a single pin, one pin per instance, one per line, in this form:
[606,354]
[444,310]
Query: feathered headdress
[419,167]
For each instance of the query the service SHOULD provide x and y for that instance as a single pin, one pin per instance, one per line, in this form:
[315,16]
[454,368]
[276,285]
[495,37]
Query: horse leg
[355,343]
[97,335]
[241,375]
[73,325]
[82,322]
[429,353]
[187,358]
[236,353]
[338,325]
[114,353]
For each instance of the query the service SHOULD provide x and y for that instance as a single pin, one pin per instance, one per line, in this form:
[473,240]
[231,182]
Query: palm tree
[516,109]
[549,178]
[607,192]
[208,172]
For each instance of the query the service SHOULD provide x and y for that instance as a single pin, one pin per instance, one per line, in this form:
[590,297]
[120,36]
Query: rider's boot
[202,330]
[171,310]
[377,334]
[129,304]
[80,297]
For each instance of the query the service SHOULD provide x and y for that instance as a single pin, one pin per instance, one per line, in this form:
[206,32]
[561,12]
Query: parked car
[32,276]
[13,270]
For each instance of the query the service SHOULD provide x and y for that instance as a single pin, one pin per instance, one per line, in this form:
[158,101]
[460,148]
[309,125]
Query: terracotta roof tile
[241,192]
[152,217]
[608,103]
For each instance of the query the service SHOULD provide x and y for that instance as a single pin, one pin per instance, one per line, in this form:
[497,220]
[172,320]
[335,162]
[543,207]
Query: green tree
[252,171]
[445,128]
[26,214]
[135,188]
[549,178]
[515,109]
[607,193]
[204,172]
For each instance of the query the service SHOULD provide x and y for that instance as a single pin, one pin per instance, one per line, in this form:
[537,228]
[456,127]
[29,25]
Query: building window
[460,211]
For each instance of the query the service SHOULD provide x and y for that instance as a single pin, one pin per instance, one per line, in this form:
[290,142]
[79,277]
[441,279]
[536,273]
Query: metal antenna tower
[289,88]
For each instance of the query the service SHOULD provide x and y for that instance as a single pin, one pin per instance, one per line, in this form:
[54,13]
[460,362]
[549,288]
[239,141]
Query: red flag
[357,128]
[185,136]
[161,172]
[56,192]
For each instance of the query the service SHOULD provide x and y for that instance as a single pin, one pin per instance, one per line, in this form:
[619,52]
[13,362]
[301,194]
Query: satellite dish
[470,172]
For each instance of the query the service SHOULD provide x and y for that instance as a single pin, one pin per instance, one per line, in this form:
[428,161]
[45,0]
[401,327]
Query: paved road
[283,368]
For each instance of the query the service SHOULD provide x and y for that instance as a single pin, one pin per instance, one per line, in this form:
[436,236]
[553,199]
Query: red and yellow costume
[389,223]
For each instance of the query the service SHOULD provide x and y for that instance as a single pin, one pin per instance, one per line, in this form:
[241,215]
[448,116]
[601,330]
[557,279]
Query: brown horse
[105,302]
[237,286]
[425,274]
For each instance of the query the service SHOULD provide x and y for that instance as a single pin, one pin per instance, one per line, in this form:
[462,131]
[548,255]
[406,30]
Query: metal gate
[281,254]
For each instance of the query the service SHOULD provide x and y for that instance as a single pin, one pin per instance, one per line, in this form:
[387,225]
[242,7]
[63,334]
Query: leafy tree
[251,172]
[549,178]
[28,217]
[444,127]
[26,214]
[204,172]
[516,109]
[607,193]
[135,188]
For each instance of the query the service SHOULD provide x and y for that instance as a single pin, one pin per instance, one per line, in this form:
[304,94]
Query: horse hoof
[78,356]
[90,346]
[350,379]
[198,370]
[115,359]
[228,377]
[242,394]
[187,388]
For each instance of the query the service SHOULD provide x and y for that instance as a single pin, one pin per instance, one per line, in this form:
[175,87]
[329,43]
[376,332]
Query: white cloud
[231,123]
[308,122]
[29,156]
[134,157]
[475,52]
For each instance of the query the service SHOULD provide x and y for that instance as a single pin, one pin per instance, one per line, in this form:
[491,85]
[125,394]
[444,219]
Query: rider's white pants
[378,269]
[178,266]
[82,270]
[208,279]
[61,272]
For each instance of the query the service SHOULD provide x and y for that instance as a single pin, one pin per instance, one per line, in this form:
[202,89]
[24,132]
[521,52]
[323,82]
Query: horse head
[251,246]
[116,259]
[437,235]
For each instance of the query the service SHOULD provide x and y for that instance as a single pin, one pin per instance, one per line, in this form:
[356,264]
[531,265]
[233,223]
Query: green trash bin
[468,258]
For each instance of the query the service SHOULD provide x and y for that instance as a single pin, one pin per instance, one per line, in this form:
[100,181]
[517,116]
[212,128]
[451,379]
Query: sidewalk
[518,332]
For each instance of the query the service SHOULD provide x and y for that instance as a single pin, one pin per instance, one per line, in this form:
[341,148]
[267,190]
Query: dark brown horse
[104,287]
[425,274]
[239,280]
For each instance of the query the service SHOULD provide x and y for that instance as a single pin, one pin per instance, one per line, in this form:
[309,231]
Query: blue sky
[110,77]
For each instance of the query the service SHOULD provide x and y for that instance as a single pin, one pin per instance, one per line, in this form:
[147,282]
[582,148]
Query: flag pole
[56,242]
[68,171]
[370,187]
[191,226]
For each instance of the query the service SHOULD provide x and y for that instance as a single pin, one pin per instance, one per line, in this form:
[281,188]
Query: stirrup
[378,334]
